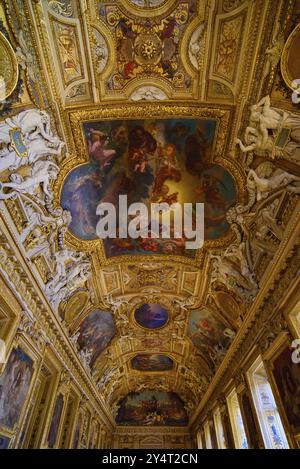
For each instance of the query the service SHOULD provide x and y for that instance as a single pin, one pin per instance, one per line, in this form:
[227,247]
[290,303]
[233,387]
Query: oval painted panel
[151,316]
[290,59]
[152,362]
[96,332]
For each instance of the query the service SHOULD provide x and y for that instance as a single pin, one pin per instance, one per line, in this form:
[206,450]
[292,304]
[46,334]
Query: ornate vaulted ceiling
[162,75]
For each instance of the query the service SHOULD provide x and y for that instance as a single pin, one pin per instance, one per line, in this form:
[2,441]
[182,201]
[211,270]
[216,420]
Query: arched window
[207,435]
[238,429]
[199,440]
[265,406]
[219,429]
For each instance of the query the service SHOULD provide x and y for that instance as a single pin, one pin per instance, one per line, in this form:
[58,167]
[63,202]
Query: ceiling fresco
[151,316]
[148,46]
[208,334]
[152,362]
[147,98]
[95,333]
[151,408]
[151,162]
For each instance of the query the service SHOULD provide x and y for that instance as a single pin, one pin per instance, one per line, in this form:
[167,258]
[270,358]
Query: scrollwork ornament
[62,8]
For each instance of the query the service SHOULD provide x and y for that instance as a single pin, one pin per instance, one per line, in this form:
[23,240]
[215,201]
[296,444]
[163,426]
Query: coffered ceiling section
[147,50]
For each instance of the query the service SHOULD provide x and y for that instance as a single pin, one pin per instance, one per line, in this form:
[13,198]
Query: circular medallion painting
[290,58]
[151,316]
[74,306]
[9,68]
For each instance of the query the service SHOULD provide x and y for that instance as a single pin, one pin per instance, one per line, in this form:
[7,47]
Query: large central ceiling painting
[152,408]
[150,161]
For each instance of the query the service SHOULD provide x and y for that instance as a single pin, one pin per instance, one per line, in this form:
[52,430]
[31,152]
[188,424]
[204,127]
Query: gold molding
[284,57]
[148,111]
[9,67]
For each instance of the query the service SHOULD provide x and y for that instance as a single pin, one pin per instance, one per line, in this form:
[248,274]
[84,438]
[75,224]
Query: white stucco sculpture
[42,173]
[265,124]
[68,266]
[115,303]
[26,138]
[75,278]
[263,186]
[37,218]
[148,93]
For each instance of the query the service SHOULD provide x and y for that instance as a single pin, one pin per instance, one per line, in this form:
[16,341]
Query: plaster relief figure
[42,173]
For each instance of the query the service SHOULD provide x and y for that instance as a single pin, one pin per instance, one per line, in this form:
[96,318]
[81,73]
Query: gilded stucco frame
[284,58]
[79,156]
